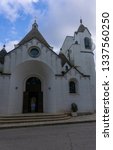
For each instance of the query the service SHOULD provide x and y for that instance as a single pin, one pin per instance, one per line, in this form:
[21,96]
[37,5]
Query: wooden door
[33,97]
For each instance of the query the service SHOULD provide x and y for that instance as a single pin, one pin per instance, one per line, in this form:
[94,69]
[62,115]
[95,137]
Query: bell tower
[79,51]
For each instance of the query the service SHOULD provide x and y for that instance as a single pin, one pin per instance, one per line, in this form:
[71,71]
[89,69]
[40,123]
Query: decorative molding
[87,52]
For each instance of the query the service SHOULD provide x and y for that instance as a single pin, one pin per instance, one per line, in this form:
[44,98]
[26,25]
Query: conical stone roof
[82,28]
[3,52]
[34,33]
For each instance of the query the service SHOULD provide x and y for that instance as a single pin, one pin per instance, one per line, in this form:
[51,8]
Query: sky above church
[56,19]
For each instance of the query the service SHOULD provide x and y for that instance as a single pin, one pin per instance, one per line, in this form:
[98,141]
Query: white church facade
[33,78]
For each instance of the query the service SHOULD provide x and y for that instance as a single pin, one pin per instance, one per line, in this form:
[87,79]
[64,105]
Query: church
[35,79]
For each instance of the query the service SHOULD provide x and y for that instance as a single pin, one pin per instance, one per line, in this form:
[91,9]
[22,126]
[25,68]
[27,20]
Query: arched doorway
[33,96]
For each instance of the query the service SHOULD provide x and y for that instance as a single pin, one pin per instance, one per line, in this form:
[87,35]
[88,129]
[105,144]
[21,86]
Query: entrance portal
[33,97]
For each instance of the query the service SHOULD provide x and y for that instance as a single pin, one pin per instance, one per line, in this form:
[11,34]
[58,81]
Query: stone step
[33,118]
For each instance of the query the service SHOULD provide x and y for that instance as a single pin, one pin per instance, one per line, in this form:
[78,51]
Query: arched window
[87,43]
[72,87]
[33,84]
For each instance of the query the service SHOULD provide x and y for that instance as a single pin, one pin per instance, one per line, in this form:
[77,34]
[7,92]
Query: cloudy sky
[56,19]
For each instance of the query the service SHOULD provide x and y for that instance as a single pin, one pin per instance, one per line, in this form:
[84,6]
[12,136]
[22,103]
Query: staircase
[33,118]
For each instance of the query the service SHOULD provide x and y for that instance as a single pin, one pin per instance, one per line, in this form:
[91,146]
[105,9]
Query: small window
[72,87]
[87,43]
[76,42]
[66,68]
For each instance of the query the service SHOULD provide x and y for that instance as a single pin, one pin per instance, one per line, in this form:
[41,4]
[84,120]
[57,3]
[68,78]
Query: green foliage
[74,107]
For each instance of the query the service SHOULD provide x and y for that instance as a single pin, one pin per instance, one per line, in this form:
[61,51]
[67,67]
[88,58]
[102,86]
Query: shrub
[74,107]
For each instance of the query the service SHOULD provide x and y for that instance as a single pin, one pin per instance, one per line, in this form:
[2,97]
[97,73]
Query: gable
[23,54]
[34,33]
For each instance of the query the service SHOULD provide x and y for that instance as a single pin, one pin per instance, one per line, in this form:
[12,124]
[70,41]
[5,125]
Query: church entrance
[33,96]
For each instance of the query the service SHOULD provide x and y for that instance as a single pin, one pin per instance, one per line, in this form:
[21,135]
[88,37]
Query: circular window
[34,52]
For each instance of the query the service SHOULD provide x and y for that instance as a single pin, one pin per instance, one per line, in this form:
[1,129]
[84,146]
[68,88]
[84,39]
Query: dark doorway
[33,96]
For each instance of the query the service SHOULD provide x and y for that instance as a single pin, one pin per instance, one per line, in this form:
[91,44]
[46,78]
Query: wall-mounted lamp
[49,88]
[16,88]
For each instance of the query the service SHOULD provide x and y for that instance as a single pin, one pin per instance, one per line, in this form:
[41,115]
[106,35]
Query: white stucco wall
[56,96]
[18,79]
[82,98]
[4,93]
[21,54]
